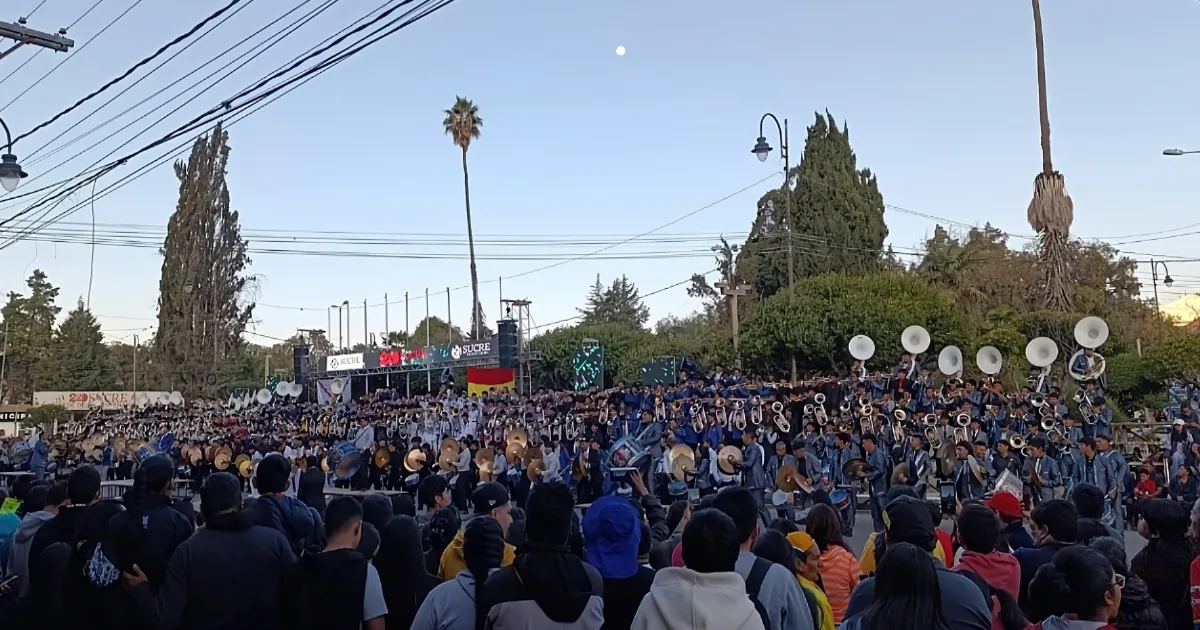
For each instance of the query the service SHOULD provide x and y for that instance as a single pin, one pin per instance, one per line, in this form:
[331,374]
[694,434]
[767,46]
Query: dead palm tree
[1051,210]
[462,124]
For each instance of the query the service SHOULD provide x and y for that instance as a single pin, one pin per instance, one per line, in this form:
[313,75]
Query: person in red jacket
[1082,589]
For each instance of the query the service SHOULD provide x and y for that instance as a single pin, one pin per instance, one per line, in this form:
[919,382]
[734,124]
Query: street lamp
[10,172]
[1178,152]
[762,150]
[1167,280]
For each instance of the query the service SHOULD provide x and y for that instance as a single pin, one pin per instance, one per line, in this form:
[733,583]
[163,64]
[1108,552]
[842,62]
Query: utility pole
[23,35]
[135,380]
[733,293]
[366,341]
[386,329]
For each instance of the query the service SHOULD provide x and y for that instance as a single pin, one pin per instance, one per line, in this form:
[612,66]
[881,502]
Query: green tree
[29,333]
[701,337]
[626,348]
[205,297]
[828,310]
[395,339]
[43,417]
[714,301]
[438,329]
[1051,211]
[463,124]
[835,223]
[79,358]
[619,303]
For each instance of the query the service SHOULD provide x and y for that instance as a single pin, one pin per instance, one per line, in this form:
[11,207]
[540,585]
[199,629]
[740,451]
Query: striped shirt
[839,576]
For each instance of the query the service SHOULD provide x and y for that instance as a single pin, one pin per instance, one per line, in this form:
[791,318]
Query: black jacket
[147,535]
[328,590]
[545,585]
[229,576]
[312,489]
[61,528]
[623,597]
[1138,610]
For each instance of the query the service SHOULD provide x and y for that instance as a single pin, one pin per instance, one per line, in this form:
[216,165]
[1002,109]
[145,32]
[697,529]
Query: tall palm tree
[462,124]
[1051,210]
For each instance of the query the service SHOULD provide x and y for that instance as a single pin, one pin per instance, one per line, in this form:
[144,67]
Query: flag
[480,380]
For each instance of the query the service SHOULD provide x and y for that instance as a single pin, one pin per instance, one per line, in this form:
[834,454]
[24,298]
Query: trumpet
[963,420]
[676,406]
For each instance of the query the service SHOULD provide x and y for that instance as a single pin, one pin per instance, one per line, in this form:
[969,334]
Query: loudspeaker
[300,369]
[507,342]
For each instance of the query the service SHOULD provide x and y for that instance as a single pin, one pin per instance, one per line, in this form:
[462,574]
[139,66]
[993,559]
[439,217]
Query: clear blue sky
[577,142]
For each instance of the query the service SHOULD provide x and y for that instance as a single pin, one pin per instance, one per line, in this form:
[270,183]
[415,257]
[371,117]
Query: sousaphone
[1090,333]
[1041,352]
[915,340]
[990,360]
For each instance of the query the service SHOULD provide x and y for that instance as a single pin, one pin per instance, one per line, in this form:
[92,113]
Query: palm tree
[1051,210]
[462,124]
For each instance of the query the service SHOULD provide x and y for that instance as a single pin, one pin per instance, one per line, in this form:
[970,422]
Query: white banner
[86,401]
[340,362]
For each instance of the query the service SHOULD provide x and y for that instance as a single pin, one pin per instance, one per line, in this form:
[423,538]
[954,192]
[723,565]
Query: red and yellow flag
[482,379]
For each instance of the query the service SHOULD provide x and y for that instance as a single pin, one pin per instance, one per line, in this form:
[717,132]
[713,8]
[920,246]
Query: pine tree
[79,356]
[29,329]
[594,301]
[835,219]
[619,303]
[205,297]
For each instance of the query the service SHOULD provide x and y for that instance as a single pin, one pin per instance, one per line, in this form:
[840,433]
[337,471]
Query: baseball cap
[489,496]
[802,541]
[909,520]
[1005,504]
[611,533]
[1178,422]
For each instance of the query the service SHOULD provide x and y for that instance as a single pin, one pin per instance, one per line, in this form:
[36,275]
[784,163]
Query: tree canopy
[618,303]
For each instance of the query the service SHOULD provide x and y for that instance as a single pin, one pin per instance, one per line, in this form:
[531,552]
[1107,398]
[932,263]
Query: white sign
[106,401]
[344,362]
[470,350]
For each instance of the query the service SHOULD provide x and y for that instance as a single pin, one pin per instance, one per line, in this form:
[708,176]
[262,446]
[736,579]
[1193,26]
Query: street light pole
[10,172]
[762,150]
[1178,152]
[1167,280]
[339,308]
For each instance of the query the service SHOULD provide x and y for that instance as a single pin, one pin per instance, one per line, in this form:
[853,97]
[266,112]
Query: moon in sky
[620,51]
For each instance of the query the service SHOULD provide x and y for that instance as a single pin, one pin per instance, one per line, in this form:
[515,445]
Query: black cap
[909,520]
[489,496]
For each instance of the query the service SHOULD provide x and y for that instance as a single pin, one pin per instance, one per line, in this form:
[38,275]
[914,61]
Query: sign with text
[87,401]
[403,357]
[339,362]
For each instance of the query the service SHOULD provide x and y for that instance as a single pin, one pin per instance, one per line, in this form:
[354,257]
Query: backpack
[754,582]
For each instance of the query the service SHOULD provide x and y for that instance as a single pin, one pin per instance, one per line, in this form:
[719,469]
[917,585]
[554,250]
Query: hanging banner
[105,401]
[324,396]
[341,362]
[481,380]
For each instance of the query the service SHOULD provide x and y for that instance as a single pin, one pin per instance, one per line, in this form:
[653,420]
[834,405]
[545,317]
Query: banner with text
[86,401]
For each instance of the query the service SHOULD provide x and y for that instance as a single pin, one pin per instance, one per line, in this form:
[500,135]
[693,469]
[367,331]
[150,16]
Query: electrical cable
[73,54]
[165,47]
[35,10]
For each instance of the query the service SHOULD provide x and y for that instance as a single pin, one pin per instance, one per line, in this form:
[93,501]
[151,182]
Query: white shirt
[364,438]
[553,469]
[464,460]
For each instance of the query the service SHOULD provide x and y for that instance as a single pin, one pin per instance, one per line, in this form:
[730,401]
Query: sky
[584,150]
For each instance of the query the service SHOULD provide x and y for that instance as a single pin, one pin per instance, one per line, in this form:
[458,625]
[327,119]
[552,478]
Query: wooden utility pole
[22,35]
[733,293]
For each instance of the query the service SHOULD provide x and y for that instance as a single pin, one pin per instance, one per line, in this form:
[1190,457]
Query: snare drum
[840,499]
[627,453]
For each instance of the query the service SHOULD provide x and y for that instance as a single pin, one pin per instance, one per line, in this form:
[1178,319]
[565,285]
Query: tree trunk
[471,246]
[1043,107]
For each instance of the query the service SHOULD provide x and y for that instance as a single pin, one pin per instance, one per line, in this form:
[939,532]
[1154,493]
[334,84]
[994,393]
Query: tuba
[1090,333]
[963,420]
[929,420]
[900,415]
[934,438]
[1016,441]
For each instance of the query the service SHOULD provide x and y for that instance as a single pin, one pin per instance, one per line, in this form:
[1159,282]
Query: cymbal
[97,454]
[194,455]
[450,444]
[681,465]
[225,449]
[727,457]
[237,461]
[447,462]
[856,468]
[221,461]
[486,471]
[325,465]
[680,450]
[382,457]
[210,453]
[519,436]
[535,469]
[485,456]
[414,461]
[785,479]
[515,452]
[245,467]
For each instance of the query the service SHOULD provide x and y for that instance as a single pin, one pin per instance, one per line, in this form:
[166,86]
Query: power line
[165,47]
[35,9]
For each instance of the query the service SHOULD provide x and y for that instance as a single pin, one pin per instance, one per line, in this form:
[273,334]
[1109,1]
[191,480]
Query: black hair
[159,473]
[549,508]
[430,489]
[711,542]
[907,596]
[483,550]
[35,499]
[706,501]
[773,545]
[868,437]
[377,510]
[783,526]
[57,494]
[404,504]
[83,486]
[341,513]
[272,474]
[368,542]
[895,492]
[825,526]
[675,514]
[443,527]
[1088,530]
[738,504]
[1059,517]
[311,461]
[1009,614]
[978,528]
[403,573]
[1076,581]
[1114,550]
[1088,500]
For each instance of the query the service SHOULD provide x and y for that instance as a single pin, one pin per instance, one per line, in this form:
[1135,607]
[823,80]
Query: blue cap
[611,534]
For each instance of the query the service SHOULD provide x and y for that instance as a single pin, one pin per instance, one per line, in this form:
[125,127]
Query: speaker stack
[300,369]
[507,340]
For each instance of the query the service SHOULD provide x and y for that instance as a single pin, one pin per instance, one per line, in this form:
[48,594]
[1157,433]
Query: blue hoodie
[288,516]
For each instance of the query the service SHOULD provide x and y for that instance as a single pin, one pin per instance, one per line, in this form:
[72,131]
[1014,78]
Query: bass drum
[840,499]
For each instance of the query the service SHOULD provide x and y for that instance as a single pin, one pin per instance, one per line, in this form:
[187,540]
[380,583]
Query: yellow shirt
[453,562]
[822,601]
[867,562]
